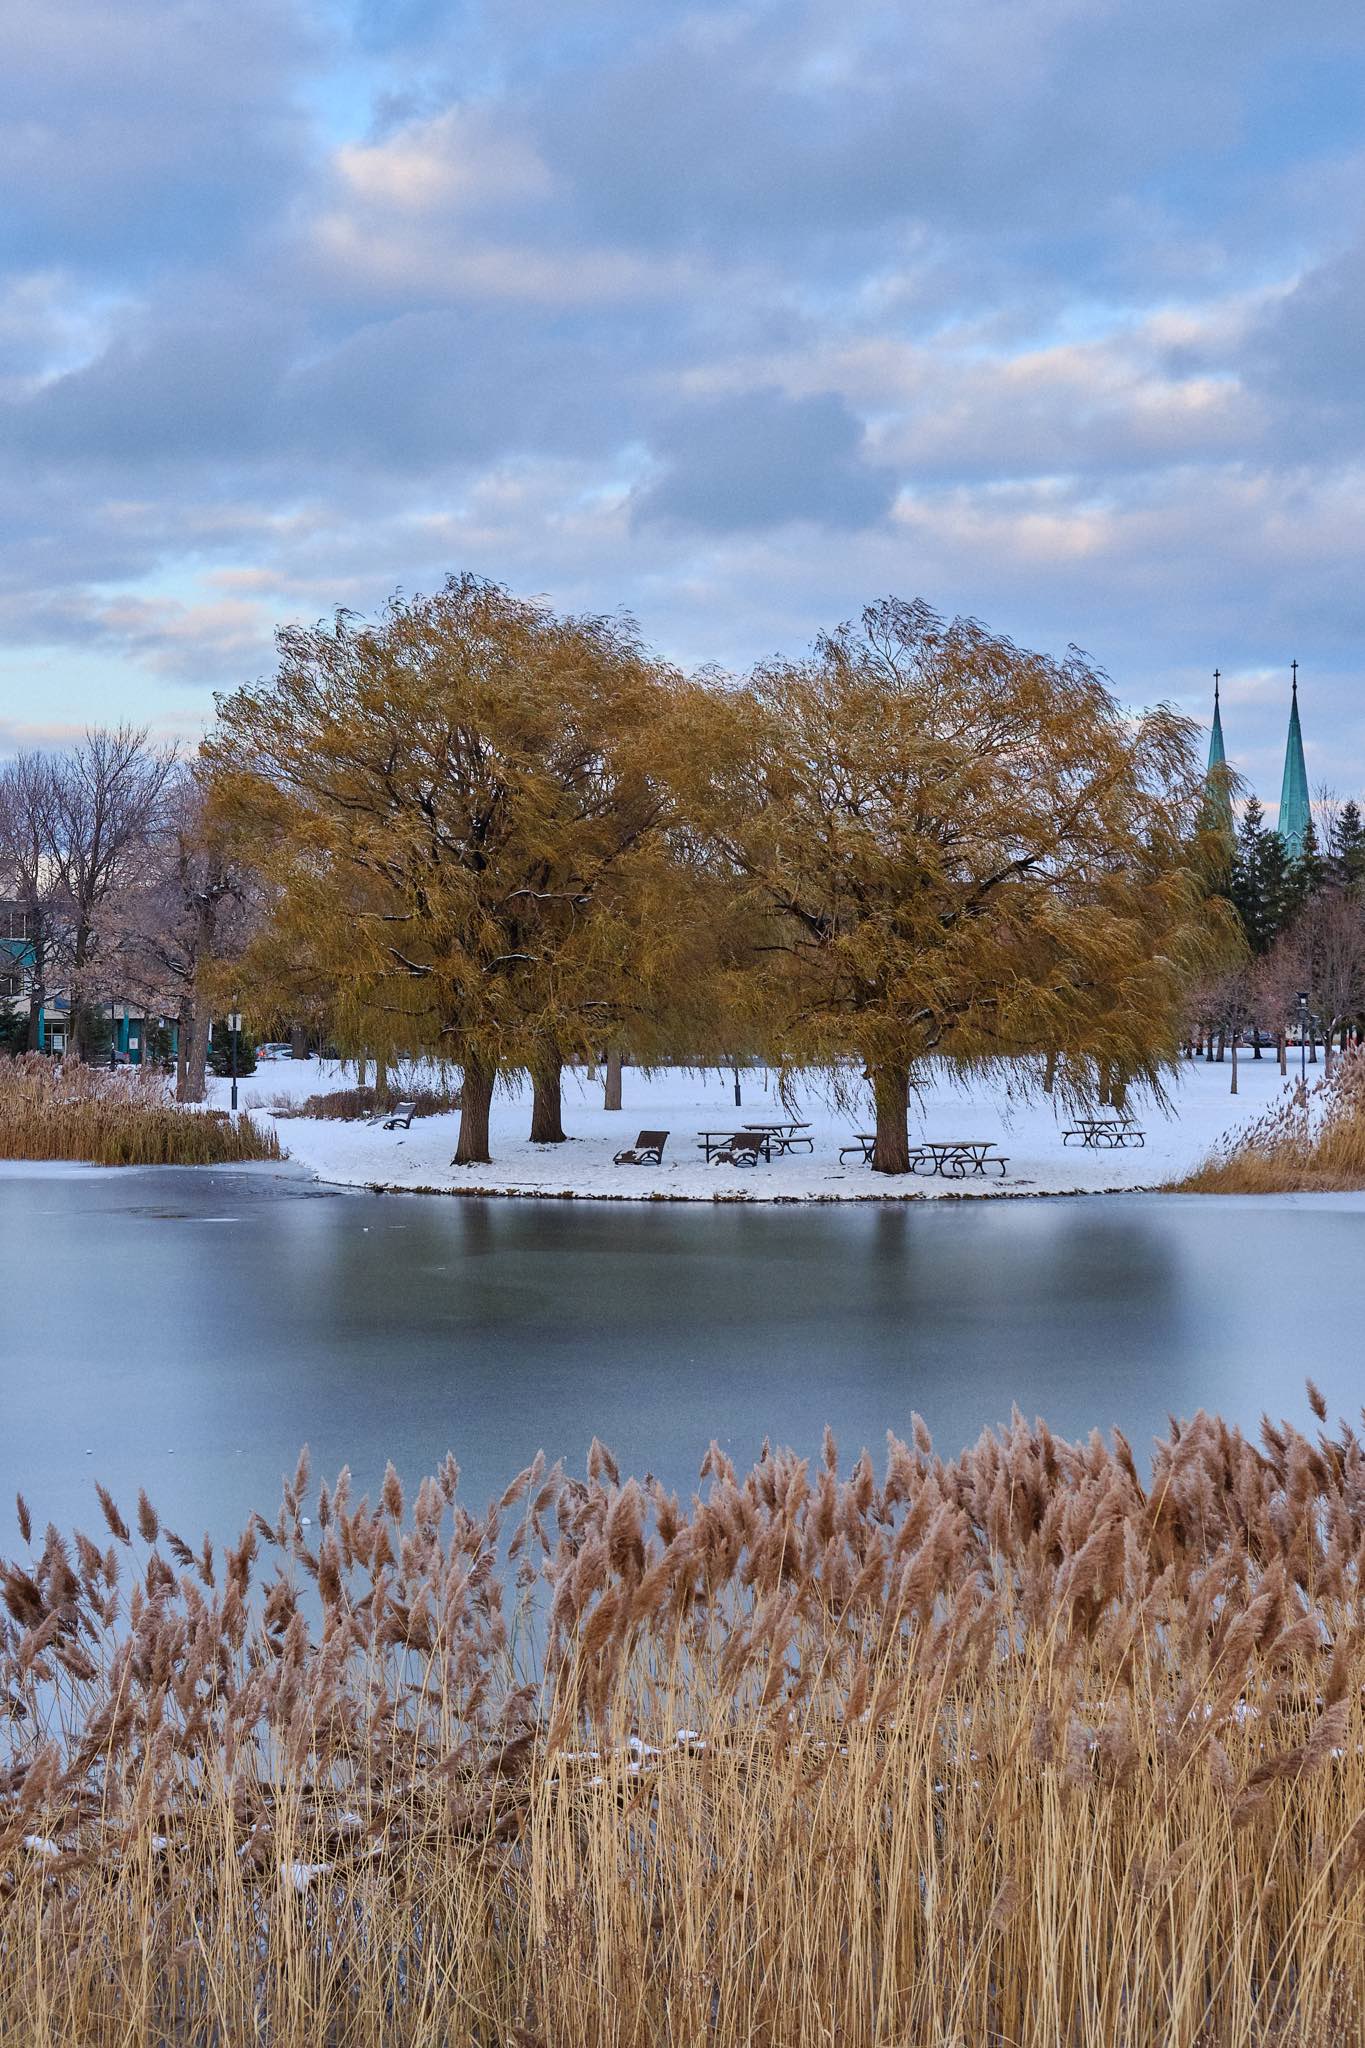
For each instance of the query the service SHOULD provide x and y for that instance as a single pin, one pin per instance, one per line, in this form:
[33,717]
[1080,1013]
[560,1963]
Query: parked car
[276,1050]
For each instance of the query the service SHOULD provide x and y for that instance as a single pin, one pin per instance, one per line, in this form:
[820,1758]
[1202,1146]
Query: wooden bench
[736,1148]
[400,1116]
[648,1150]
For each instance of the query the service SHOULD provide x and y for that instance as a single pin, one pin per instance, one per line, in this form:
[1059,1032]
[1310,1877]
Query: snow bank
[684,1104]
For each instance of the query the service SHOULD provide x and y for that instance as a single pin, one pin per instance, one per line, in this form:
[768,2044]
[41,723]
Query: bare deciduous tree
[108,803]
[29,873]
[188,911]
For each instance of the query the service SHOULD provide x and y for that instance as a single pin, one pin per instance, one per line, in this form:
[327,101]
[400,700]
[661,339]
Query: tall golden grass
[348,1105]
[52,1110]
[1312,1138]
[1013,1748]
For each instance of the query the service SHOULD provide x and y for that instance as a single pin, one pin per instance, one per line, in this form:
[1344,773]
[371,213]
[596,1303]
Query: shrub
[52,1109]
[220,1050]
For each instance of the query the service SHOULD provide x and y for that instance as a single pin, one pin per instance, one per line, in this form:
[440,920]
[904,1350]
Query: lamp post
[113,1031]
[1303,1036]
[234,1026]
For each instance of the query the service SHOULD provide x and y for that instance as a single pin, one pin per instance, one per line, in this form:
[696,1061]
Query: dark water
[189,1329]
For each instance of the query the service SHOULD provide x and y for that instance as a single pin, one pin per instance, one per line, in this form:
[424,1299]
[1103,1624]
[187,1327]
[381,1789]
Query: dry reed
[349,1105]
[1014,1748]
[1312,1138]
[52,1110]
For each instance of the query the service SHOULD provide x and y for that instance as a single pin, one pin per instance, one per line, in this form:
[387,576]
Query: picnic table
[955,1158]
[1104,1133]
[786,1136]
[712,1142]
[952,1158]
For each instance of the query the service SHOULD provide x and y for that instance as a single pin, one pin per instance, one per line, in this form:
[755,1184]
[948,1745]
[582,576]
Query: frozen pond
[188,1330]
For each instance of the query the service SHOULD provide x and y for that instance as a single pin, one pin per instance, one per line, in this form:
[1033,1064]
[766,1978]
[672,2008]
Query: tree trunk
[1327,1051]
[196,1066]
[1312,1045]
[891,1094]
[184,1025]
[546,1101]
[476,1100]
[381,1078]
[1118,1091]
[1233,1089]
[298,1042]
[1049,1073]
[611,1094]
[1282,1050]
[1222,1046]
[1256,1043]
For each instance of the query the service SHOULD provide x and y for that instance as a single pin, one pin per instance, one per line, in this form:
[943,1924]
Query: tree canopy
[962,851]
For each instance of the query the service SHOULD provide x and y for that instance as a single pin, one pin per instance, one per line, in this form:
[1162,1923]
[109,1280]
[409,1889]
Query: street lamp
[1303,1035]
[234,1026]
[113,1032]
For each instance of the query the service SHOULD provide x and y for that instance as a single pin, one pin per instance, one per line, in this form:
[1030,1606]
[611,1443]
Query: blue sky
[1045,310]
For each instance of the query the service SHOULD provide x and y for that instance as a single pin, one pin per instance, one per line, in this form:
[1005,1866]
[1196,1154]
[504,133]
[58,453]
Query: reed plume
[1019,1747]
[64,1110]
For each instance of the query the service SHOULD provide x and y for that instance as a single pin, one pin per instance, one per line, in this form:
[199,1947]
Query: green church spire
[1216,779]
[1294,812]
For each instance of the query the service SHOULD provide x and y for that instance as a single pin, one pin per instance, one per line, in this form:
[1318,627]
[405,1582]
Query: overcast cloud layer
[1047,310]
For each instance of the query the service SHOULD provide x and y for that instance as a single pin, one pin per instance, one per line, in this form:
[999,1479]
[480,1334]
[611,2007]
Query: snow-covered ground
[684,1104]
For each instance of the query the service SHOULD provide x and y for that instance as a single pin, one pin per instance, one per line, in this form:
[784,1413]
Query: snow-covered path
[684,1104]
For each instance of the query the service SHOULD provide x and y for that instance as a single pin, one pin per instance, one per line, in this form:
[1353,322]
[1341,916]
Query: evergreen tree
[1346,848]
[1305,874]
[1257,885]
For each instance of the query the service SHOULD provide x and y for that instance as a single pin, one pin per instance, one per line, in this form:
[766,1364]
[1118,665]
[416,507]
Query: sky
[736,318]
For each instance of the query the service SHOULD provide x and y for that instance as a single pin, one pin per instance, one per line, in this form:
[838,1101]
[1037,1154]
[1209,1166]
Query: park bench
[400,1116]
[648,1150]
[736,1148]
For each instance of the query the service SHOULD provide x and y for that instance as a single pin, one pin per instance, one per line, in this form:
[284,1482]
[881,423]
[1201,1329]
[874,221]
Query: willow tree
[444,801]
[963,852]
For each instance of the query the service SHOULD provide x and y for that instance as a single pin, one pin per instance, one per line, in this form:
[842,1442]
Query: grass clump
[1313,1138]
[64,1110]
[349,1105]
[1013,1748]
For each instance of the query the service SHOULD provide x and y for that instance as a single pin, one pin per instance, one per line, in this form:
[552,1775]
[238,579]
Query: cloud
[736,314]
[761,459]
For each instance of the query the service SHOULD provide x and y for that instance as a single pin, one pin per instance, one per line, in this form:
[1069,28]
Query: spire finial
[1294,675]
[1217,674]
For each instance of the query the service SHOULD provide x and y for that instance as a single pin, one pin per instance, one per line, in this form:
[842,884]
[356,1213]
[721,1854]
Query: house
[131,1021]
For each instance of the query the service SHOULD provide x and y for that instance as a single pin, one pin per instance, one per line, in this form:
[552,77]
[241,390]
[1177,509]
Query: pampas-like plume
[1023,1746]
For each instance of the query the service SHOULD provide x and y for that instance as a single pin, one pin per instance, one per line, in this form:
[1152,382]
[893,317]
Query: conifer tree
[1346,848]
[1305,874]
[1260,881]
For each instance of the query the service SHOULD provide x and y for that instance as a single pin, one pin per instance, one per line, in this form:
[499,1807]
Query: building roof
[1217,776]
[1292,822]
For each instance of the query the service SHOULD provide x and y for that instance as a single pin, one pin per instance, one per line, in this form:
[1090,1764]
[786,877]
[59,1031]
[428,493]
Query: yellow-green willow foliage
[963,851]
[461,810]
